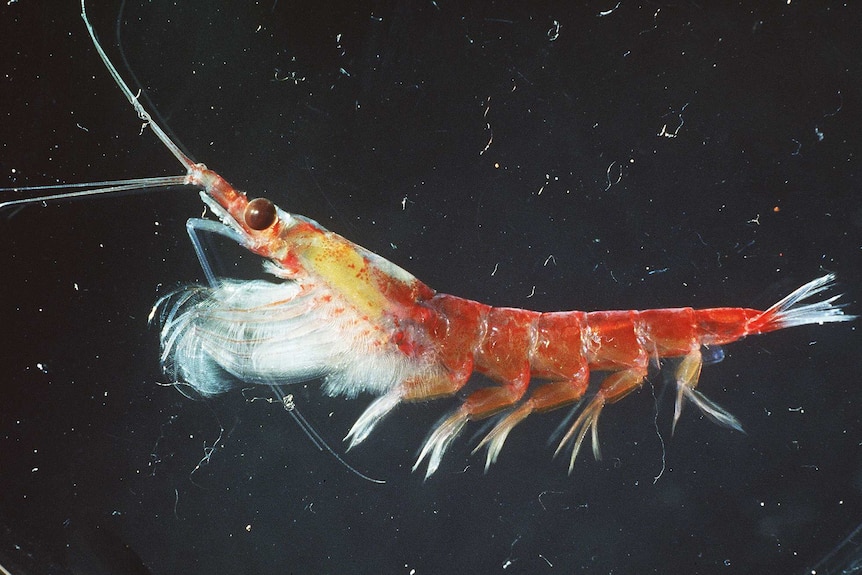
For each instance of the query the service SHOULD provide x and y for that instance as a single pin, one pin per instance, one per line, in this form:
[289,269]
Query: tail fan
[792,309]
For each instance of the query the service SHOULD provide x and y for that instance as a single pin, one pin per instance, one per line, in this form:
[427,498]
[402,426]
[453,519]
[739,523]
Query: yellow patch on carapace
[339,263]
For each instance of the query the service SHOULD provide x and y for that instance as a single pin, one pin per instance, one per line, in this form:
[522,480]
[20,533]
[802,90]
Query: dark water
[664,155]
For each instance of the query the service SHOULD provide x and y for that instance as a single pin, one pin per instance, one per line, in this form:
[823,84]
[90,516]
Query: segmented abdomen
[556,345]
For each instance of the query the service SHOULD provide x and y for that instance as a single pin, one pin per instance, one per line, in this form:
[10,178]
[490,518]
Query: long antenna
[133,99]
[114,186]
[94,189]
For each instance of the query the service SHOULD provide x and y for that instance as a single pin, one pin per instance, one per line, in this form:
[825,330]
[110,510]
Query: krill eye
[259,214]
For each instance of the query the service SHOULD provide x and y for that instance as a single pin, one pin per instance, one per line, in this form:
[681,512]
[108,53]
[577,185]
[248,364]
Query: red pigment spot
[421,314]
[291,263]
[405,345]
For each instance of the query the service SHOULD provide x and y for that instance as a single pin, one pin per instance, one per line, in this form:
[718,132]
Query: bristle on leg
[708,407]
[588,420]
[687,375]
[497,436]
[372,415]
[440,440]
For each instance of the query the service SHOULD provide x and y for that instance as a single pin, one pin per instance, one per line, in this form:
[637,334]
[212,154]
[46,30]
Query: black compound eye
[259,214]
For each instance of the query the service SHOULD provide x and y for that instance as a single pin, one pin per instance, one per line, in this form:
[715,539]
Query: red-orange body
[400,340]
[340,313]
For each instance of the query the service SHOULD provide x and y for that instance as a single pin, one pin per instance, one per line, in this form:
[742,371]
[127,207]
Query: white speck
[554,31]
[42,367]
[675,133]
[608,174]
[608,12]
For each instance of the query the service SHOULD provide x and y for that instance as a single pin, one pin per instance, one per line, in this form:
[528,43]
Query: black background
[374,118]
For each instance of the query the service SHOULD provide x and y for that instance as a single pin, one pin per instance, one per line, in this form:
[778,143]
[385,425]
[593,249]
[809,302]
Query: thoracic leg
[615,386]
[547,397]
[687,375]
[373,414]
[444,383]
[478,404]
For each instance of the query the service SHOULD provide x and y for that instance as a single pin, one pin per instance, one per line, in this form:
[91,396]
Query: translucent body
[341,313]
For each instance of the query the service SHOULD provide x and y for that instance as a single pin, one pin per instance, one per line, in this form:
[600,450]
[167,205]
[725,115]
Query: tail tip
[792,310]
